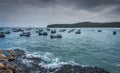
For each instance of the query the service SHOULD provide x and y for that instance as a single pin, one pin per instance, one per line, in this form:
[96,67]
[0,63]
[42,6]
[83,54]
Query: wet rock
[79,69]
[18,53]
[35,59]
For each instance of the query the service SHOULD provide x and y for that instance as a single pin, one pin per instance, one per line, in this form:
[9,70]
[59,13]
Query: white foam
[48,60]
[56,63]
[44,56]
[53,65]
[86,65]
[27,62]
[47,56]
[31,55]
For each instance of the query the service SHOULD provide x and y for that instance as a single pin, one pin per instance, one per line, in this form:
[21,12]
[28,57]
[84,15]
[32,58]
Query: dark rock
[79,69]
[18,53]
[35,59]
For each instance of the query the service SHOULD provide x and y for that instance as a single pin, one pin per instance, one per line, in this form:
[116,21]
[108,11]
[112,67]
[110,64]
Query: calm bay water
[90,48]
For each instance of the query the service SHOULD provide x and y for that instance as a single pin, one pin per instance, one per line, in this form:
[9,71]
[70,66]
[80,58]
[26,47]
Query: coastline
[31,64]
[87,25]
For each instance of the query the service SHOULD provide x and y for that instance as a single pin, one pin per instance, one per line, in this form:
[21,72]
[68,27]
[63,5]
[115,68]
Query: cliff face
[86,24]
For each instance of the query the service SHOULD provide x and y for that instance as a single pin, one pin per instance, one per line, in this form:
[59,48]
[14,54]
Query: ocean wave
[27,62]
[47,60]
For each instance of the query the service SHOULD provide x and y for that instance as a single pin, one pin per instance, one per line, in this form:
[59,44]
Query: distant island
[87,25]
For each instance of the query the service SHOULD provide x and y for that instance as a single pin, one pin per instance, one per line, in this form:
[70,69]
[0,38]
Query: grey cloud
[90,5]
[56,11]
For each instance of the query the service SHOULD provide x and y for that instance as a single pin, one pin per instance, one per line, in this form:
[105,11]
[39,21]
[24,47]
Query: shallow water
[90,48]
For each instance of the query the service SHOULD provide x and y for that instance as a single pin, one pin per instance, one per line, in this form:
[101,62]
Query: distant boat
[6,32]
[56,36]
[43,33]
[99,30]
[62,30]
[78,32]
[71,30]
[25,34]
[40,30]
[48,29]
[17,30]
[53,31]
[28,29]
[2,35]
[114,32]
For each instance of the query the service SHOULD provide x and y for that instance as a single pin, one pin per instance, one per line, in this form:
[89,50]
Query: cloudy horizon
[40,13]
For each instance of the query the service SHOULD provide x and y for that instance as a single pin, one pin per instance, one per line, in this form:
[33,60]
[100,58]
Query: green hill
[86,25]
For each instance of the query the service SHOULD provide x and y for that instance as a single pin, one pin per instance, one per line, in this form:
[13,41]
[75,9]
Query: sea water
[90,48]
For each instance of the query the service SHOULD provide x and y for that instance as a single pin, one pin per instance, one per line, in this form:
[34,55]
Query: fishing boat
[62,30]
[71,30]
[78,32]
[25,34]
[53,31]
[17,30]
[2,35]
[28,29]
[56,36]
[99,30]
[43,33]
[6,32]
[114,32]
[39,31]
[48,29]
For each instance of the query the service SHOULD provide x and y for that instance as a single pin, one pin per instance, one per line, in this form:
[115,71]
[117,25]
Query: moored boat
[28,28]
[99,30]
[6,32]
[25,34]
[78,32]
[17,30]
[2,35]
[48,29]
[40,30]
[71,30]
[53,31]
[114,32]
[43,33]
[62,30]
[56,36]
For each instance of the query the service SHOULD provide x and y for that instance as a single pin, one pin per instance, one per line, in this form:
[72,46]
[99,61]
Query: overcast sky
[28,13]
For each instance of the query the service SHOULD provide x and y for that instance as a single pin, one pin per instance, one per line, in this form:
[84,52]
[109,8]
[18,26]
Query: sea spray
[48,60]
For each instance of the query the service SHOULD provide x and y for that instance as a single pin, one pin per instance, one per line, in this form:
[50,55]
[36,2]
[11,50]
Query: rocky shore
[24,64]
